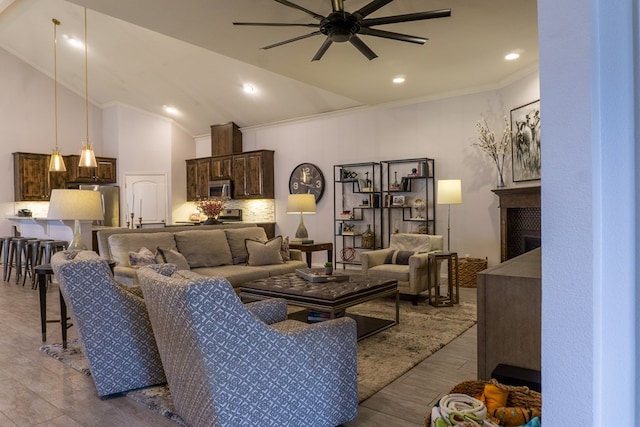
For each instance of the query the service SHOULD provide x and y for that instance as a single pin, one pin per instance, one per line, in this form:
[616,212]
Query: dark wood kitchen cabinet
[221,167]
[105,173]
[253,175]
[198,177]
[31,177]
[226,139]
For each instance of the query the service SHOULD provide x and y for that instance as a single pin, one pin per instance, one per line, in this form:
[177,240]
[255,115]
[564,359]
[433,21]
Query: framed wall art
[525,142]
[397,201]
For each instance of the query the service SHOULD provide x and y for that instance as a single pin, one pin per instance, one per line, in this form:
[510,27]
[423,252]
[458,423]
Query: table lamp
[77,205]
[449,193]
[302,204]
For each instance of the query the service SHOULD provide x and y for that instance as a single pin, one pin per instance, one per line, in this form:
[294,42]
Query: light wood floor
[36,390]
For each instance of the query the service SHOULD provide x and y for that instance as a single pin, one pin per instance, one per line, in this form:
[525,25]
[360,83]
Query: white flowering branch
[497,150]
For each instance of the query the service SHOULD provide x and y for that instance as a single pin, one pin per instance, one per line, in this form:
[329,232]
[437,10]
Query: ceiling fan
[341,26]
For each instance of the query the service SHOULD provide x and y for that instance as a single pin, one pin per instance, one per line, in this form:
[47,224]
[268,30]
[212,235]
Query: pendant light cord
[86,73]
[55,76]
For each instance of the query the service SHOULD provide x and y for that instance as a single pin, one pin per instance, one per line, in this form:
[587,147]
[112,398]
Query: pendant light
[57,163]
[87,157]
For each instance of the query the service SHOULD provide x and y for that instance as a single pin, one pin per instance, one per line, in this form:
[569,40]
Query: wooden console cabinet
[509,314]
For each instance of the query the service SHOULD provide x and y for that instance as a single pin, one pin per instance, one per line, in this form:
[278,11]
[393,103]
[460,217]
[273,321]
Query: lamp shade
[301,203]
[449,192]
[75,204]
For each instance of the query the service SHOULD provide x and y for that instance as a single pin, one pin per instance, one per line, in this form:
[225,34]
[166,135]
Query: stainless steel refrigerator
[110,203]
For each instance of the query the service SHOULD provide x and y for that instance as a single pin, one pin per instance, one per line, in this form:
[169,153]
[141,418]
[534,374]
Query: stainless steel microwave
[220,188]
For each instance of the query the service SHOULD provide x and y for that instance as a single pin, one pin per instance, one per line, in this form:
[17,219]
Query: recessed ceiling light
[170,110]
[398,80]
[247,88]
[512,56]
[78,44]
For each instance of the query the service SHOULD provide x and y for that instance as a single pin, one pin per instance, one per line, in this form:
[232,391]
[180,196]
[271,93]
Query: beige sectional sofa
[215,250]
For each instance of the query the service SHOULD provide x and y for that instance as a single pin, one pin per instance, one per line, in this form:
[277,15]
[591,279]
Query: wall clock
[307,178]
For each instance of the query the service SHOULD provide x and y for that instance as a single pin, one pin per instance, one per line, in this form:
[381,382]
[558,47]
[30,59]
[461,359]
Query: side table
[453,288]
[309,248]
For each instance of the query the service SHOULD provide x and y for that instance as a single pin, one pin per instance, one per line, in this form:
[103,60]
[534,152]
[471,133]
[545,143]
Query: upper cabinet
[105,173]
[221,167]
[253,175]
[198,177]
[31,177]
[226,139]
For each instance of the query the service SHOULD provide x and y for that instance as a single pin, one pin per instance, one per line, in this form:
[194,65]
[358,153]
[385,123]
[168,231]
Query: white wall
[441,129]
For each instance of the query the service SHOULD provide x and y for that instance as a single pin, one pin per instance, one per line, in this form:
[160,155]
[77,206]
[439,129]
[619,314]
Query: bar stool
[31,259]
[47,248]
[5,242]
[16,252]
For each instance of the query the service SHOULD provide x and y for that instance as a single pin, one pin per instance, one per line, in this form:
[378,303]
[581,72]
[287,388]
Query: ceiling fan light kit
[341,26]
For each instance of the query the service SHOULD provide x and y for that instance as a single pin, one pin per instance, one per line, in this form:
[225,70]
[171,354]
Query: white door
[146,197]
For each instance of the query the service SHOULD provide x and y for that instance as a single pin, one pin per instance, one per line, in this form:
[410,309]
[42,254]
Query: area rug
[382,358]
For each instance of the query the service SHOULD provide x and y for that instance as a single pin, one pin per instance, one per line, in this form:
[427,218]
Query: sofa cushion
[141,258]
[264,253]
[173,257]
[122,244]
[390,271]
[236,238]
[204,248]
[399,257]
[235,274]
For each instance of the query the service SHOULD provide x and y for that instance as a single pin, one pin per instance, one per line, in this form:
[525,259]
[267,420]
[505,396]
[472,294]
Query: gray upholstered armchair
[112,323]
[411,272]
[227,367]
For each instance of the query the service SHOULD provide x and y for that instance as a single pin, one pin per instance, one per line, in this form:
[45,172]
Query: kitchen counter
[44,228]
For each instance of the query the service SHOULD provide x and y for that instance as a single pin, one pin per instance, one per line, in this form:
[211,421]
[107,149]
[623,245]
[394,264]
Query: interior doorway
[146,197]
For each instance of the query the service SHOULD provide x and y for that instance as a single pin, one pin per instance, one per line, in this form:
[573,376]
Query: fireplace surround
[520,220]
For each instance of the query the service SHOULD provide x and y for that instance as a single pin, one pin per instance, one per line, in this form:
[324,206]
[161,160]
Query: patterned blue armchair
[227,367]
[112,323]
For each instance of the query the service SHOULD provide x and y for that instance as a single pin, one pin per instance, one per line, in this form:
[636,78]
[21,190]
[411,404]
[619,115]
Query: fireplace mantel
[512,200]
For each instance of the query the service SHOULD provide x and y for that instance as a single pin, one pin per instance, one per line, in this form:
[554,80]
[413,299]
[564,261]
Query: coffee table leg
[42,292]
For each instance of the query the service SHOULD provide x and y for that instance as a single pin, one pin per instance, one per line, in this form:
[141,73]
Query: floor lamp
[449,193]
[77,205]
[302,204]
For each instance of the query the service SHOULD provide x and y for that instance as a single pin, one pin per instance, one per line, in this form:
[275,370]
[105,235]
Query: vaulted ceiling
[189,55]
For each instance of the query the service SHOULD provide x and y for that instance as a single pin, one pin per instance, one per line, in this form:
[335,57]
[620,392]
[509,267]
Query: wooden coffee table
[332,297]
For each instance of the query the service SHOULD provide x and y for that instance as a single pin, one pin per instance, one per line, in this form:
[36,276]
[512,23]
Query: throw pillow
[122,243]
[173,257]
[264,253]
[236,238]
[204,248]
[399,257]
[141,258]
[284,249]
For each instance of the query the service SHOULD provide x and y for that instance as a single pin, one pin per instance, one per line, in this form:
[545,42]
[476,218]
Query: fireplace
[520,220]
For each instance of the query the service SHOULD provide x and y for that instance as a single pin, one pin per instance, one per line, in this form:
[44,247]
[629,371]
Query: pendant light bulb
[87,156]
[57,162]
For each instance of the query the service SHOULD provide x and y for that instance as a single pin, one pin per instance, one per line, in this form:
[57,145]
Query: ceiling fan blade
[338,5]
[371,7]
[295,39]
[276,24]
[394,36]
[441,13]
[363,48]
[322,49]
[295,6]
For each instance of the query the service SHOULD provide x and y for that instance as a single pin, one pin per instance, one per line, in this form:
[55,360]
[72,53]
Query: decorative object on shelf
[397,201]
[301,204]
[87,156]
[449,193]
[57,163]
[348,175]
[211,207]
[307,178]
[395,186]
[328,268]
[348,254]
[525,142]
[368,238]
[497,150]
[348,229]
[77,205]
[420,206]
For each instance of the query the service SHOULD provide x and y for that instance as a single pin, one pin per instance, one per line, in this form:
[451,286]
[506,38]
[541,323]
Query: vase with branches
[211,207]
[496,149]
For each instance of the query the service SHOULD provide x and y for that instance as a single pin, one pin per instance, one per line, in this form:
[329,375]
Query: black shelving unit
[357,203]
[410,179]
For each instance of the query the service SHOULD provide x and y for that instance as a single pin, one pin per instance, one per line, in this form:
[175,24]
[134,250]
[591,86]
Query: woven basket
[518,395]
[468,268]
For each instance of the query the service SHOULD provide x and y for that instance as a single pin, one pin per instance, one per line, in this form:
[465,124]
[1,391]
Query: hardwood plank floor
[36,390]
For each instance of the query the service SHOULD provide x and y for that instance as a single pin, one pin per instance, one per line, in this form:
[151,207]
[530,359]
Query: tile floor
[36,390]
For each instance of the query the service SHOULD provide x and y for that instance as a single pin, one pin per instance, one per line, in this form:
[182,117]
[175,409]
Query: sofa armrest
[372,258]
[419,261]
[126,275]
[269,311]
